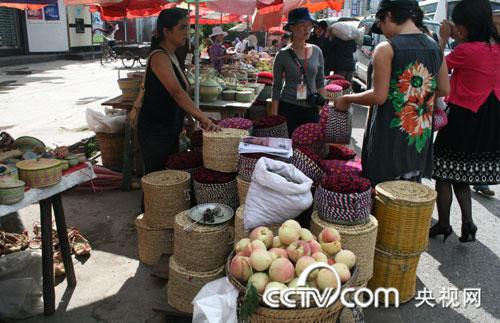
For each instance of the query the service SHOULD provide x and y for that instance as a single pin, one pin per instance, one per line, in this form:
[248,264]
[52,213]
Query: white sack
[278,192]
[216,303]
[346,31]
[99,122]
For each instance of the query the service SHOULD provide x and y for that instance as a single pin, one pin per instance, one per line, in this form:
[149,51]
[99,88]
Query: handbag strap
[299,64]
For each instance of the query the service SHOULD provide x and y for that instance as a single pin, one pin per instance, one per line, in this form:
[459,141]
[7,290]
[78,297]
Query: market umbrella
[26,4]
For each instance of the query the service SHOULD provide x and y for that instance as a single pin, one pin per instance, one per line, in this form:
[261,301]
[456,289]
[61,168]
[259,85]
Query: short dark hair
[401,11]
[168,18]
[322,24]
[477,17]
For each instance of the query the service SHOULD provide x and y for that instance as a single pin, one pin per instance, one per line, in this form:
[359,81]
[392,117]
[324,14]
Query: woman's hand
[445,31]
[208,125]
[341,103]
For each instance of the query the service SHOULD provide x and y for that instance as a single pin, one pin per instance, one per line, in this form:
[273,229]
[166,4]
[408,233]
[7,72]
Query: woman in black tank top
[408,73]
[166,99]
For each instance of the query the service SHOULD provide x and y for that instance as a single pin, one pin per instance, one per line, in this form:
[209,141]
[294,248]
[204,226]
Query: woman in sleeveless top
[467,150]
[166,99]
[409,73]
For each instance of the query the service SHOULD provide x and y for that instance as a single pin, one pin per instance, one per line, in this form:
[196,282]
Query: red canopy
[26,4]
[133,9]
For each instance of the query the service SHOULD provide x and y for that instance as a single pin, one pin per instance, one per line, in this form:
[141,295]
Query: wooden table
[50,198]
[224,108]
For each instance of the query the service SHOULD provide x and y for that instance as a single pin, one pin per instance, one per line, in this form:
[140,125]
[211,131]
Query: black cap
[297,16]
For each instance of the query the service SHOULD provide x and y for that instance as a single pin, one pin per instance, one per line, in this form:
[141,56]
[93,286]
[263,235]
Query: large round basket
[225,193]
[404,211]
[271,315]
[359,238]
[337,125]
[396,271]
[320,148]
[220,149]
[200,247]
[307,166]
[343,208]
[243,187]
[279,131]
[111,146]
[40,173]
[166,193]
[130,87]
[153,242]
[183,284]
[246,164]
[239,226]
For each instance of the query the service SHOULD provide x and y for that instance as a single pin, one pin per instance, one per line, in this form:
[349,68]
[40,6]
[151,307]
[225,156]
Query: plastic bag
[98,122]
[346,31]
[21,284]
[278,192]
[216,303]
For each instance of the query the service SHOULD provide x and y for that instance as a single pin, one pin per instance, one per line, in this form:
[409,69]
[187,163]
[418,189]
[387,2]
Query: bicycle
[108,55]
[129,58]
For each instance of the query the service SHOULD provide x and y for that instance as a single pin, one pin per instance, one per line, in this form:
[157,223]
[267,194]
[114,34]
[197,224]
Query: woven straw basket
[239,226]
[359,238]
[404,211]
[200,247]
[395,271]
[111,146]
[153,242]
[166,193]
[183,285]
[272,315]
[243,187]
[225,193]
[40,173]
[340,208]
[220,149]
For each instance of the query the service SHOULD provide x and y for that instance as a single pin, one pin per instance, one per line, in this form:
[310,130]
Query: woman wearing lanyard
[301,66]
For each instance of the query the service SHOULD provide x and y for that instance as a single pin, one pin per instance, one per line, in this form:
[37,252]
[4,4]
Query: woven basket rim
[226,133]
[214,184]
[386,192]
[141,223]
[148,179]
[201,274]
[347,194]
[393,254]
[369,225]
[242,181]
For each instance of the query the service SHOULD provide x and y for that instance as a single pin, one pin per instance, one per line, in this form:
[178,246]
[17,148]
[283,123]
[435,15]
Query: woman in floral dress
[467,150]
[408,73]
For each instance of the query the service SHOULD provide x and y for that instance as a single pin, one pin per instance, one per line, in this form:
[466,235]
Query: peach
[293,224]
[312,284]
[326,279]
[346,257]
[260,259]
[244,247]
[257,244]
[343,272]
[306,235]
[276,285]
[329,235]
[302,265]
[277,242]
[331,261]
[314,246]
[240,268]
[320,257]
[288,234]
[278,253]
[331,248]
[293,283]
[259,281]
[281,270]
[263,234]
[298,249]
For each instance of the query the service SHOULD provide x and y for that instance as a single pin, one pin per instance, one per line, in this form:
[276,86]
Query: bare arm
[163,69]
[382,62]
[443,81]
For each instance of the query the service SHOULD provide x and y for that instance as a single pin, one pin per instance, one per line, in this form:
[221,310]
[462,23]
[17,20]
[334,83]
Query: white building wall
[48,35]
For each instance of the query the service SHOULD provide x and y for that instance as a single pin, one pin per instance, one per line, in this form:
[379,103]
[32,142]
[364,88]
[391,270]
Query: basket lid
[12,184]
[406,192]
[166,177]
[183,220]
[226,133]
[39,164]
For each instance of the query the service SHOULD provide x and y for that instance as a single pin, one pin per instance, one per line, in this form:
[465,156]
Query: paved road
[50,104]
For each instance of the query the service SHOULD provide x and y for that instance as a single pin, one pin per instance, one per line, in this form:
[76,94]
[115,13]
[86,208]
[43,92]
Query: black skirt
[467,150]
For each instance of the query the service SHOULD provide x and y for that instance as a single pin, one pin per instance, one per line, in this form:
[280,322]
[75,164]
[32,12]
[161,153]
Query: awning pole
[197,55]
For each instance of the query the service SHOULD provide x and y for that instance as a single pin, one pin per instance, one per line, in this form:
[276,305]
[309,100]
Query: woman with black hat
[409,73]
[300,65]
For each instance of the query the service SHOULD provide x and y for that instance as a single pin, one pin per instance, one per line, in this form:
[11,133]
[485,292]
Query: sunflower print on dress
[411,93]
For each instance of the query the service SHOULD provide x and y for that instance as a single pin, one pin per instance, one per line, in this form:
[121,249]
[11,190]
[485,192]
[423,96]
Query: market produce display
[267,261]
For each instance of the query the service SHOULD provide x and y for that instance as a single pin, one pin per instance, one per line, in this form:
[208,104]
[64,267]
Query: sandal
[78,243]
[13,242]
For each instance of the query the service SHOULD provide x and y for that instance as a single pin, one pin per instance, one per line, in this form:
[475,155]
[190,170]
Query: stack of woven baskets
[404,211]
[200,253]
[166,193]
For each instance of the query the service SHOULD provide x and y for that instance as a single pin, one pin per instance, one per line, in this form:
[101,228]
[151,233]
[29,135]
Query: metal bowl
[196,213]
